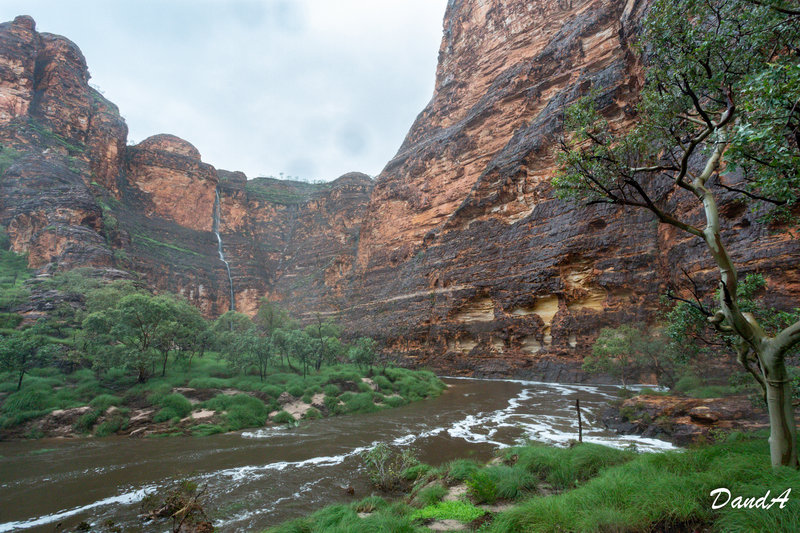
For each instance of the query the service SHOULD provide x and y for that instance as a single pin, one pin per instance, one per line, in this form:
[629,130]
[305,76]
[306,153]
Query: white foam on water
[126,498]
[557,427]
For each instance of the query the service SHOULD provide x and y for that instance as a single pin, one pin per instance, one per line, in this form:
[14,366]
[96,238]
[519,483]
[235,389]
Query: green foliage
[385,466]
[672,487]
[205,430]
[8,156]
[565,468]
[360,403]
[111,426]
[450,510]
[152,243]
[482,487]
[430,495]
[331,390]
[628,350]
[312,414]
[283,417]
[461,469]
[363,353]
[104,401]
[501,481]
[243,410]
[13,272]
[172,406]
[86,421]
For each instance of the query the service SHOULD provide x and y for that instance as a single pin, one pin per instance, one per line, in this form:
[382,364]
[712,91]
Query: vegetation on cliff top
[587,487]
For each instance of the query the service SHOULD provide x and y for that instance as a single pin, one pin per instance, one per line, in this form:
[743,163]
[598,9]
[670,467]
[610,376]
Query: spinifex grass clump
[565,468]
[671,489]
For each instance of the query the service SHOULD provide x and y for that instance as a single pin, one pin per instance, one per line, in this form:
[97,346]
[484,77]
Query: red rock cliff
[456,257]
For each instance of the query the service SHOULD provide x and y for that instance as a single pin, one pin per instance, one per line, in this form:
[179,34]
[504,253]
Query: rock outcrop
[457,257]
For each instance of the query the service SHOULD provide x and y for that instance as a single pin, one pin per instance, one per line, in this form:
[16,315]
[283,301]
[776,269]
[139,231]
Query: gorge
[456,257]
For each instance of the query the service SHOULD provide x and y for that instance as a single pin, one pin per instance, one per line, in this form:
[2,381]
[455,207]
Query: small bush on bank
[430,495]
[172,406]
[386,466]
[461,469]
[450,510]
[283,417]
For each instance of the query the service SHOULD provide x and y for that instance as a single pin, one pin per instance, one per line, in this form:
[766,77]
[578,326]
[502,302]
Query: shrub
[482,487]
[564,468]
[450,510]
[26,400]
[87,420]
[394,401]
[461,469]
[312,414]
[283,417]
[273,391]
[383,383]
[370,504]
[208,383]
[204,430]
[360,403]
[416,472]
[243,410]
[172,406]
[104,401]
[510,482]
[385,466]
[296,390]
[430,495]
[113,425]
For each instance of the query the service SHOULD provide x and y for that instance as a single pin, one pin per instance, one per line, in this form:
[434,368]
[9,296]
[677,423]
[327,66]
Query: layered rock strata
[457,257]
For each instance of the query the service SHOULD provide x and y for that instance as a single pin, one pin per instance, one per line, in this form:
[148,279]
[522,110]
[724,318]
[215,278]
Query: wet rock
[285,398]
[684,420]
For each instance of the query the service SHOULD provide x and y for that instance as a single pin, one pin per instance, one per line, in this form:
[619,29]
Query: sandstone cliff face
[457,257]
[178,185]
[466,263]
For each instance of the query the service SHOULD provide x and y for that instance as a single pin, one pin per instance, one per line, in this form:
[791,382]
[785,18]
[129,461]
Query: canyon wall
[456,257]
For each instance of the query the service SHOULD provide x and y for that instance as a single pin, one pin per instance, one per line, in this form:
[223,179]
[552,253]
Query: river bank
[202,401]
[261,477]
[585,487]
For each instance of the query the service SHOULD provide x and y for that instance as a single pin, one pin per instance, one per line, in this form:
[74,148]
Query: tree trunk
[783,431]
[19,382]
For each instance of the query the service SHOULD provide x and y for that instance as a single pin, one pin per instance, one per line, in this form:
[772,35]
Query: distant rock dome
[165,142]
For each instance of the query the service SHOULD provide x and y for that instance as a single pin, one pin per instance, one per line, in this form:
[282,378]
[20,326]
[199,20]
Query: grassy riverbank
[588,487]
[207,398]
[84,354]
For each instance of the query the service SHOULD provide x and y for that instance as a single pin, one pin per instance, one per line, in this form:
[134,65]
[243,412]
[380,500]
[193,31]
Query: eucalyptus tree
[719,113]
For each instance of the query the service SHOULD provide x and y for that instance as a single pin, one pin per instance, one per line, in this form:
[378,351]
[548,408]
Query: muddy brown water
[259,478]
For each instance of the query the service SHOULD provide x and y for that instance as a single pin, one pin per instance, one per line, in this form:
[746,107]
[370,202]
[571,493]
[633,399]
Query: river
[259,478]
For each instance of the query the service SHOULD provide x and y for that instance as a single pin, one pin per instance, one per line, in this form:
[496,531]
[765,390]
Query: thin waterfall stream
[215,229]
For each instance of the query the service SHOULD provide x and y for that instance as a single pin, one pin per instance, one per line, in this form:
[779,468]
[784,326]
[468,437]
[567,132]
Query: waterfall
[215,229]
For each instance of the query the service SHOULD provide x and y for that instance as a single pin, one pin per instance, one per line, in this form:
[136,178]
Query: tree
[233,321]
[271,316]
[631,349]
[719,113]
[363,352]
[134,327]
[323,332]
[22,351]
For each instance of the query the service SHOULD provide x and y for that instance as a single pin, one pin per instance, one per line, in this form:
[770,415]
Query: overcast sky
[310,88]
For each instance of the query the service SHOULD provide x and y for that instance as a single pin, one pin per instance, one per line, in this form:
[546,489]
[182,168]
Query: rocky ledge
[685,421]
